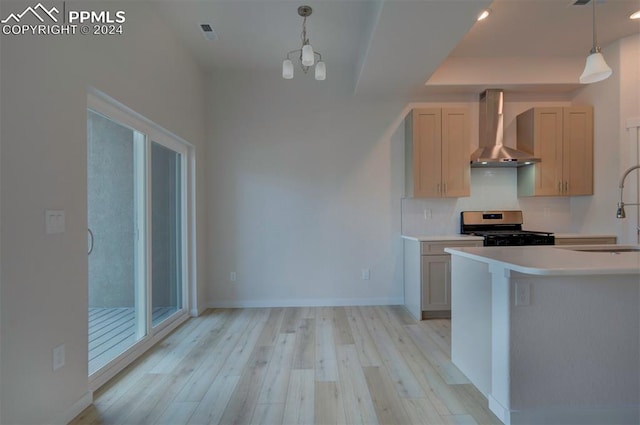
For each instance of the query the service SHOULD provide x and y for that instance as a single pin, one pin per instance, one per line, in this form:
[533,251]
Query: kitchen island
[550,335]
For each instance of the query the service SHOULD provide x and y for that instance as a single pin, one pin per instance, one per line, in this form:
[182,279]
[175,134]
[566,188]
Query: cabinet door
[577,168]
[548,146]
[436,282]
[456,169]
[427,153]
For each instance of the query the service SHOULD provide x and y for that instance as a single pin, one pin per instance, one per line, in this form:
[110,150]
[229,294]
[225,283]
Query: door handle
[90,241]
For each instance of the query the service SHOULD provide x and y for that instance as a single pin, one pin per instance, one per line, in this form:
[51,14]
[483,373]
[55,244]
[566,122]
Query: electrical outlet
[546,211]
[366,274]
[428,215]
[232,276]
[523,293]
[58,357]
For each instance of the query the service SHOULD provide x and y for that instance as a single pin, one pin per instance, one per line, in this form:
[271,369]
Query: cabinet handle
[566,186]
[560,187]
[445,188]
[438,188]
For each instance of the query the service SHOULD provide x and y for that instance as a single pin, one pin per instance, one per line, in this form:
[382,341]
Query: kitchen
[488,292]
[301,182]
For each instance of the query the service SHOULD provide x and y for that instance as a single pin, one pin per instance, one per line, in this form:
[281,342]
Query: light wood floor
[326,365]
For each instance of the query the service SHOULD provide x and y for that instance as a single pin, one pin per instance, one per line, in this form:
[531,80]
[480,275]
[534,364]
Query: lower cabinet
[427,277]
[436,283]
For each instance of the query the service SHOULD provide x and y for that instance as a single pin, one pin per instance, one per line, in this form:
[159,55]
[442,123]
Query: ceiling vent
[208,31]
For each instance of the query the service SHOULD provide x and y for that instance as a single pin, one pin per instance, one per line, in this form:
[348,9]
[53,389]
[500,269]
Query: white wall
[615,100]
[305,185]
[44,85]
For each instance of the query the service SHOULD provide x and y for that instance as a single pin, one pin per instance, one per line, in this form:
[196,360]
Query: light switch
[54,221]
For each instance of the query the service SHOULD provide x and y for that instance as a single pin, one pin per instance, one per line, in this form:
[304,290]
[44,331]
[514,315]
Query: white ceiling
[547,28]
[392,47]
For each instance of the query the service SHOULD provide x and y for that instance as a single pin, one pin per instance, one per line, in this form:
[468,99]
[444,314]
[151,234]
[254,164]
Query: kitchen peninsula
[550,334]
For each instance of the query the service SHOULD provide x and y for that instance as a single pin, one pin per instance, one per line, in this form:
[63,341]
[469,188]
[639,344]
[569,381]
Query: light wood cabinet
[437,153]
[562,137]
[427,277]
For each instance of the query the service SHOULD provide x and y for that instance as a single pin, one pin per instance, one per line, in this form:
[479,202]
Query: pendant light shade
[321,71]
[307,55]
[596,69]
[287,69]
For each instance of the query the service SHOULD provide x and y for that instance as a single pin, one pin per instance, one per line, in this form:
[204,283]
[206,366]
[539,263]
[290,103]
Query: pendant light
[306,55]
[596,69]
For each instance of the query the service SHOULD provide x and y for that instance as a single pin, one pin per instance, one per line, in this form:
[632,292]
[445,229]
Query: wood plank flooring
[325,365]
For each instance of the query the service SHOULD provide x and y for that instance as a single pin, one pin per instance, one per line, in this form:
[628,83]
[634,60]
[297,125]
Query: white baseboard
[311,302]
[572,415]
[567,415]
[77,408]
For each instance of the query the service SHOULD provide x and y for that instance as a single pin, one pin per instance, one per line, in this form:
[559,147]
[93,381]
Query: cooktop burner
[502,228]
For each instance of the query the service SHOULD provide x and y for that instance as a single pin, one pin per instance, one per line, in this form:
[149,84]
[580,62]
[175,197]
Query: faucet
[620,212]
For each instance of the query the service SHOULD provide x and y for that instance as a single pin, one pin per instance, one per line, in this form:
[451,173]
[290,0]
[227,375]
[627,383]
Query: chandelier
[306,55]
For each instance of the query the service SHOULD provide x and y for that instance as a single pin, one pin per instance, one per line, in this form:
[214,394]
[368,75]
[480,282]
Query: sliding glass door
[166,232]
[117,318]
[137,209]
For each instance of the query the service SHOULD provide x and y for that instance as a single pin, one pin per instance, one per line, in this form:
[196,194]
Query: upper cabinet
[562,137]
[437,153]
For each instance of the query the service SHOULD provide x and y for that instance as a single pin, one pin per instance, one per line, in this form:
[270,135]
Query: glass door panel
[166,233]
[115,196]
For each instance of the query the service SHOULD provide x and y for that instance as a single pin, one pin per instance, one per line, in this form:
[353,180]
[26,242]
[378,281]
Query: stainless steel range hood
[492,153]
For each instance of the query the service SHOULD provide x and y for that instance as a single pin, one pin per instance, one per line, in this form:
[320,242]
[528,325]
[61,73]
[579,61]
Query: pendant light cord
[595,48]
[304,31]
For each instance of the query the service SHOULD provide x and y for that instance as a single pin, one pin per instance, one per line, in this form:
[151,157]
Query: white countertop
[555,260]
[459,237]
[443,238]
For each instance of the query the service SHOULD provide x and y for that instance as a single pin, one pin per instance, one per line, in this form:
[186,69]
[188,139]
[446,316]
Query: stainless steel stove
[501,228]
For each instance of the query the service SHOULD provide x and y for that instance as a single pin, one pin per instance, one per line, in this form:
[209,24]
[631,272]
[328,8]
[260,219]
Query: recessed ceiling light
[635,15]
[484,14]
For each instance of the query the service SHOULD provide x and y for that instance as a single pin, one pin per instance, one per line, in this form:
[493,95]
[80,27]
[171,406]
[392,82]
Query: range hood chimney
[492,153]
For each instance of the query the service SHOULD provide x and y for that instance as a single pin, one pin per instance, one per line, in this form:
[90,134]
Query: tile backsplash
[491,189]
